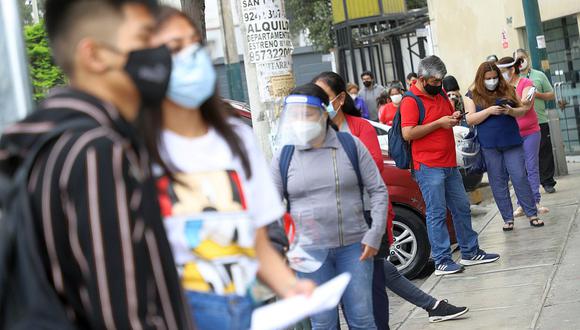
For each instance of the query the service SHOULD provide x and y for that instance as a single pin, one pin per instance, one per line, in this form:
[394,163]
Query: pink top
[529,122]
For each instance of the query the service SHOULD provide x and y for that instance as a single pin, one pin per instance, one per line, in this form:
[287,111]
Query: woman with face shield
[385,274]
[529,126]
[215,191]
[322,173]
[494,106]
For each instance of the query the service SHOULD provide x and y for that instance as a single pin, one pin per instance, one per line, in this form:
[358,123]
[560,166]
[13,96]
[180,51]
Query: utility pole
[539,56]
[268,64]
[536,39]
[231,57]
[195,9]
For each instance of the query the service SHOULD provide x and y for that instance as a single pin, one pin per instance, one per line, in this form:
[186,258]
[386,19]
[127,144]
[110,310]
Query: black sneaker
[550,189]
[445,311]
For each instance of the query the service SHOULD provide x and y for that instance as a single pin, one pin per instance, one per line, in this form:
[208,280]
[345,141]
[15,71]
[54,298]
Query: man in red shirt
[434,161]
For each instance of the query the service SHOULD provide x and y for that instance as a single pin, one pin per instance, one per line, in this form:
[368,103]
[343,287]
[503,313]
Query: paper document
[287,312]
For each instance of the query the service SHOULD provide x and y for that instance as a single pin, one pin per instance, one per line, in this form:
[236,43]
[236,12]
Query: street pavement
[534,285]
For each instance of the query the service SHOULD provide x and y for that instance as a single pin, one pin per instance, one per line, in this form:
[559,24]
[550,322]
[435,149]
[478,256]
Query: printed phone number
[252,16]
[269,54]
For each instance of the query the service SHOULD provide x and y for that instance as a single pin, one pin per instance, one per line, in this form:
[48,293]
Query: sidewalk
[535,284]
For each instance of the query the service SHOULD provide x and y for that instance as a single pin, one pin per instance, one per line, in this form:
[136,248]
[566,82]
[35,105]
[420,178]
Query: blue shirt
[498,132]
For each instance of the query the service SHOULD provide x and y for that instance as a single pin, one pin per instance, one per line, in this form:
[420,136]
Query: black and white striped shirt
[97,218]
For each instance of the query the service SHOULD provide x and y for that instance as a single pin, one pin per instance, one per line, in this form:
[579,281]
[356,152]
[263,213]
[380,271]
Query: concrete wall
[465,32]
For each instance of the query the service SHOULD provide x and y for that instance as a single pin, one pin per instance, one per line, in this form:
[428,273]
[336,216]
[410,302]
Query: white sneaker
[519,212]
[542,209]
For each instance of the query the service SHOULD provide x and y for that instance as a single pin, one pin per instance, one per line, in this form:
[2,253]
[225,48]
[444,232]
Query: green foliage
[44,74]
[315,16]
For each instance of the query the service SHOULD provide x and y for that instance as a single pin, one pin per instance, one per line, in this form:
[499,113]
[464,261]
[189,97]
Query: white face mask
[524,64]
[396,98]
[507,76]
[306,131]
[491,84]
[353,96]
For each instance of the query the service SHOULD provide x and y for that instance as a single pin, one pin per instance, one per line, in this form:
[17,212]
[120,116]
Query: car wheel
[410,249]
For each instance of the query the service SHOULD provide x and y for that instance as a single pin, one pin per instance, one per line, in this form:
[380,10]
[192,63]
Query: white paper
[541,40]
[287,312]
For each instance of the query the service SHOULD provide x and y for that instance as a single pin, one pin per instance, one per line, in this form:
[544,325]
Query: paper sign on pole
[541,40]
[269,45]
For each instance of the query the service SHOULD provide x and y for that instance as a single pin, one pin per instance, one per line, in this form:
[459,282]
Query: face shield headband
[302,121]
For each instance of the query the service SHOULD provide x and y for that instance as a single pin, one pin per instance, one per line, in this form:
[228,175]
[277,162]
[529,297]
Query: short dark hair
[412,75]
[68,21]
[367,73]
[450,84]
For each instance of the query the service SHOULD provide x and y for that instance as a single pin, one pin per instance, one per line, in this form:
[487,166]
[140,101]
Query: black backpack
[27,298]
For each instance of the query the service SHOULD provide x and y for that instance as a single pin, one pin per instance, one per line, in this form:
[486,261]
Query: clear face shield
[302,122]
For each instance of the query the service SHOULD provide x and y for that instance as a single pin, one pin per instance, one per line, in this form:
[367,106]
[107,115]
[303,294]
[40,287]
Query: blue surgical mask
[330,109]
[193,77]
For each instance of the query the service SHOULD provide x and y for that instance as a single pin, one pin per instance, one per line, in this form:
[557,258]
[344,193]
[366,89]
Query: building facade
[464,33]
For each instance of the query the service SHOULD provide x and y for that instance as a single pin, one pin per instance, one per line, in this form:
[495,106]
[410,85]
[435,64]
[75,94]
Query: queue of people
[151,205]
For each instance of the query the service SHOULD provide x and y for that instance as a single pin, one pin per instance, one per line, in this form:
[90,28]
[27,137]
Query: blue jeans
[442,188]
[503,164]
[357,299]
[212,311]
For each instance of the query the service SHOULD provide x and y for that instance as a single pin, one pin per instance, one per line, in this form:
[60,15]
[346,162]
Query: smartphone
[530,94]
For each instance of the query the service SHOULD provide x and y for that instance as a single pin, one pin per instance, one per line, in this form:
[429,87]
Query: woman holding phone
[494,107]
[529,126]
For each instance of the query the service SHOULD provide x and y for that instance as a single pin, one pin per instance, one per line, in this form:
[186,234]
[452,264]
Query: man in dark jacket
[93,199]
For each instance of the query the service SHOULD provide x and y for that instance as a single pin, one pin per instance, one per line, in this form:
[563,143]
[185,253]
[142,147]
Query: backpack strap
[285,158]
[420,105]
[349,146]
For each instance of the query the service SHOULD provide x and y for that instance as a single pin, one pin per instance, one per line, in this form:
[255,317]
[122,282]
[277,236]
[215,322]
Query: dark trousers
[380,298]
[547,167]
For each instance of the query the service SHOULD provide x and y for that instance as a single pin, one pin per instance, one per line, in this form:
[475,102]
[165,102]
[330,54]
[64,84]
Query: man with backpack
[89,249]
[427,119]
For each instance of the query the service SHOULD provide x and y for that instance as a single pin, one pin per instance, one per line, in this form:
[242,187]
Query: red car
[410,251]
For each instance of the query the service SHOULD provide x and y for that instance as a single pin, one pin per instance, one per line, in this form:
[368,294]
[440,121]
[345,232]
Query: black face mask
[432,90]
[150,70]
[367,83]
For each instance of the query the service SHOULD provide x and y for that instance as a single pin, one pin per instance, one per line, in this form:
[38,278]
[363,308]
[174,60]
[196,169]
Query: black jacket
[97,218]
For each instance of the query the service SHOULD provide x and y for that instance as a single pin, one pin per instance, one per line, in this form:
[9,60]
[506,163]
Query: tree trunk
[195,9]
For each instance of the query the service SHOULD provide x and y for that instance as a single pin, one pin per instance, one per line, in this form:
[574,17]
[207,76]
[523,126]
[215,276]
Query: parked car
[410,251]
[470,181]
